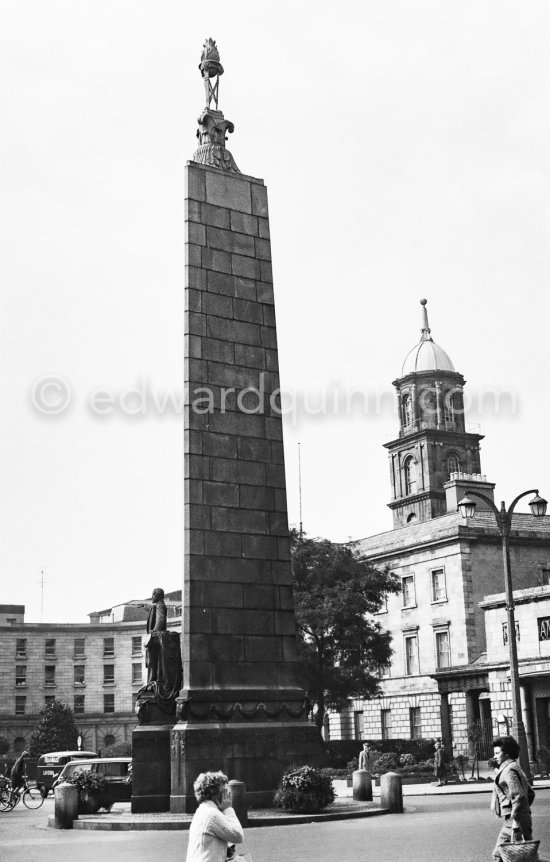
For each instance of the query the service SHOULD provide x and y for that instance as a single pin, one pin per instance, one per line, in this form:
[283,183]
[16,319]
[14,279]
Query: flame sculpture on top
[212,124]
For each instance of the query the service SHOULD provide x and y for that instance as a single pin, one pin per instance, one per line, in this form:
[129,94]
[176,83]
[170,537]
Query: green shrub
[352,765]
[90,784]
[305,790]
[385,762]
[118,749]
[407,760]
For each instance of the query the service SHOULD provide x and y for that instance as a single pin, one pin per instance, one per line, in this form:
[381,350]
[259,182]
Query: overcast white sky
[406,151]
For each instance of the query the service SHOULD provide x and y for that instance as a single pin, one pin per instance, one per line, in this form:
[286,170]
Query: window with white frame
[411,654]
[408,591]
[79,674]
[108,646]
[20,704]
[439,587]
[415,722]
[49,674]
[137,673]
[442,649]
[20,675]
[385,721]
[108,674]
[79,645]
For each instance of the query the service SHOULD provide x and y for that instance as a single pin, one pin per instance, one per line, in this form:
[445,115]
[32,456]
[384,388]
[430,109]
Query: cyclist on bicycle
[18,771]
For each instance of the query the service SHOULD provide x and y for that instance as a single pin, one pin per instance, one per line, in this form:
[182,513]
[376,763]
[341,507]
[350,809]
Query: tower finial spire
[426,331]
[213,127]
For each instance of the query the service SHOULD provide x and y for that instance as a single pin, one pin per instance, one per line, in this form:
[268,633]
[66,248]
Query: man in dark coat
[18,771]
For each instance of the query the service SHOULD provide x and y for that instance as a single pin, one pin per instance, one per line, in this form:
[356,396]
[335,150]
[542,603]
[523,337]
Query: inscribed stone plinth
[242,708]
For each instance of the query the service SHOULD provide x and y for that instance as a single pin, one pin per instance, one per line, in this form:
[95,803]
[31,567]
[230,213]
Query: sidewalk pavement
[343,791]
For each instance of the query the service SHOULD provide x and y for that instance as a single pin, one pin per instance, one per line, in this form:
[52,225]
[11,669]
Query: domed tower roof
[426,355]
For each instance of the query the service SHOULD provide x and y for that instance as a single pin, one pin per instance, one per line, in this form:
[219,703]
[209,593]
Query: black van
[51,764]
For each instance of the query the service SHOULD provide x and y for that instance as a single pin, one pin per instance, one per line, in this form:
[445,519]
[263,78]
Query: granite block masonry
[242,708]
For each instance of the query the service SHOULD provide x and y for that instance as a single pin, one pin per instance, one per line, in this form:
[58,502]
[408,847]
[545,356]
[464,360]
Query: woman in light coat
[214,824]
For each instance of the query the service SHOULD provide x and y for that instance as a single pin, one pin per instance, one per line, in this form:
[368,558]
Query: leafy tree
[56,730]
[336,591]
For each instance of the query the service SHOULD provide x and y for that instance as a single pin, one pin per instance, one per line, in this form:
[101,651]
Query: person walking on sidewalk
[440,765]
[214,824]
[512,794]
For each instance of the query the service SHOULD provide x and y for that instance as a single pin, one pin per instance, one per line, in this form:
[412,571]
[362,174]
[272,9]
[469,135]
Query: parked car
[50,765]
[117,772]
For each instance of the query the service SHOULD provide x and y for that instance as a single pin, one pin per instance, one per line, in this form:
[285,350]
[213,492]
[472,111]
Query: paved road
[432,829]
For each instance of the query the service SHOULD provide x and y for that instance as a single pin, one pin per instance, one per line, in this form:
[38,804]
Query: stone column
[446,728]
[242,708]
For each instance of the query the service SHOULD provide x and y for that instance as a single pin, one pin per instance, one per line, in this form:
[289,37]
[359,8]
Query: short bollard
[391,793]
[362,786]
[238,797]
[66,806]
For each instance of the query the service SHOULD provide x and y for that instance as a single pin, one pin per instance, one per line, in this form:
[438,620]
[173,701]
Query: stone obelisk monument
[242,708]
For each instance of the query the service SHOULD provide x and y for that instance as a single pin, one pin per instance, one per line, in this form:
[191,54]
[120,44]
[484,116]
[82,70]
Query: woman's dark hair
[508,744]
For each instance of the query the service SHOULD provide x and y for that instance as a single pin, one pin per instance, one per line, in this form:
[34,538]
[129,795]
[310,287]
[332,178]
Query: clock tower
[433,442]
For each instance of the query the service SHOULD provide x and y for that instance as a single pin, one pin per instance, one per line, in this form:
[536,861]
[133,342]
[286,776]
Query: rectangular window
[49,698]
[136,645]
[108,703]
[21,648]
[108,646]
[411,655]
[108,674]
[505,633]
[358,723]
[20,704]
[50,648]
[415,722]
[79,674]
[78,704]
[384,671]
[79,647]
[21,675]
[409,597]
[442,650]
[137,673]
[545,576]
[439,590]
[385,721]
[49,674]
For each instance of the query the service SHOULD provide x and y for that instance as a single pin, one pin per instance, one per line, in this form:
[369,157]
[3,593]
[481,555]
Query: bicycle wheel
[5,800]
[32,797]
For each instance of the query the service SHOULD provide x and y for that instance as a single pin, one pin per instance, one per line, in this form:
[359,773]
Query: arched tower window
[406,406]
[453,463]
[409,474]
[450,408]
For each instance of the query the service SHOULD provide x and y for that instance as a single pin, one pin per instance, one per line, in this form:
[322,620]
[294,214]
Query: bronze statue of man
[162,655]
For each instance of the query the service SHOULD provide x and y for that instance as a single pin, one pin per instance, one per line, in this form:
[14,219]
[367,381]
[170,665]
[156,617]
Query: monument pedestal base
[151,768]
[254,752]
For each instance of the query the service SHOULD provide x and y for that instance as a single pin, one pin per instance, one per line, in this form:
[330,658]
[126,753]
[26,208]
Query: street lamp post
[503,518]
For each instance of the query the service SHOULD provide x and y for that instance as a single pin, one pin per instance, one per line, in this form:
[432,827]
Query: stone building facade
[440,680]
[96,668]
